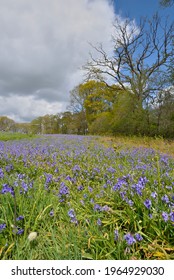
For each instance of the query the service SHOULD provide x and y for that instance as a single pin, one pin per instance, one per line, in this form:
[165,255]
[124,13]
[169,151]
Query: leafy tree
[7,124]
[88,100]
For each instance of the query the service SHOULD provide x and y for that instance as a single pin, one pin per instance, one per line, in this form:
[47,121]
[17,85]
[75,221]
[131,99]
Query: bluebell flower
[1,173]
[129,239]
[76,168]
[154,194]
[7,189]
[51,213]
[116,234]
[24,186]
[63,189]
[20,231]
[96,169]
[138,237]
[49,178]
[82,202]
[97,207]
[105,208]
[165,216]
[92,200]
[9,167]
[147,203]
[111,169]
[80,188]
[99,223]
[20,218]
[72,215]
[165,199]
[21,176]
[172,216]
[2,226]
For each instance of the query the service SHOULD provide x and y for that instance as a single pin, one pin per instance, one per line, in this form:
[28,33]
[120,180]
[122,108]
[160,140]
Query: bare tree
[166,3]
[140,52]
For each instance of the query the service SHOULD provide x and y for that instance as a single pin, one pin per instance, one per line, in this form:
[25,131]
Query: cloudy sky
[43,44]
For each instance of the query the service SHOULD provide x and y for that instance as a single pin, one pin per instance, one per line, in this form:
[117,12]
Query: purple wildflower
[72,215]
[92,200]
[99,223]
[97,170]
[165,216]
[165,199]
[147,203]
[138,237]
[48,178]
[20,231]
[140,185]
[76,168]
[80,188]
[120,182]
[129,239]
[172,216]
[9,167]
[82,202]
[111,169]
[63,189]
[129,201]
[21,176]
[24,186]
[1,173]
[106,208]
[2,226]
[154,194]
[51,213]
[97,207]
[7,189]
[20,218]
[116,235]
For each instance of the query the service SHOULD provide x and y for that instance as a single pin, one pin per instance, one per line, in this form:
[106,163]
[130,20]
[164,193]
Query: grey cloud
[43,44]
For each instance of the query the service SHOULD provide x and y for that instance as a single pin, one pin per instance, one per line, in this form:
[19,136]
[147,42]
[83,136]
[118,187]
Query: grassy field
[81,197]
[8,136]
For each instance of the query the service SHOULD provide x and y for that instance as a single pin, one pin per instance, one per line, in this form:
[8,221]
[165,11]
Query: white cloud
[43,44]
[25,108]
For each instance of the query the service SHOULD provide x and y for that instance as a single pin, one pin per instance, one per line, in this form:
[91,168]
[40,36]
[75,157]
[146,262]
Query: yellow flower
[32,236]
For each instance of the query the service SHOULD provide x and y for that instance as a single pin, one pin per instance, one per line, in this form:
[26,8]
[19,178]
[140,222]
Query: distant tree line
[98,109]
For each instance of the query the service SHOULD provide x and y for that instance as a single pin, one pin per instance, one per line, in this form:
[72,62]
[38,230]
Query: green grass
[7,136]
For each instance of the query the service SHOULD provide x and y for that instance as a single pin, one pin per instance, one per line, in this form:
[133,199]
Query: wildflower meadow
[79,198]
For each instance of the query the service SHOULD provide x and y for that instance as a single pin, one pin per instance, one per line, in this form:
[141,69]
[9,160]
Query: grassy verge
[123,142]
[6,136]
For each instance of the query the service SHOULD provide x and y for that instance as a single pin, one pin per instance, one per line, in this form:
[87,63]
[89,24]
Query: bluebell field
[85,200]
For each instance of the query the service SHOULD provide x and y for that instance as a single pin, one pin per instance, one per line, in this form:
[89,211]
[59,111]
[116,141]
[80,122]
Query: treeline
[96,108]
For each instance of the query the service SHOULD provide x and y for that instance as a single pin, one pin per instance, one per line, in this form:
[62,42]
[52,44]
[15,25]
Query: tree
[90,101]
[139,52]
[7,124]
[166,3]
